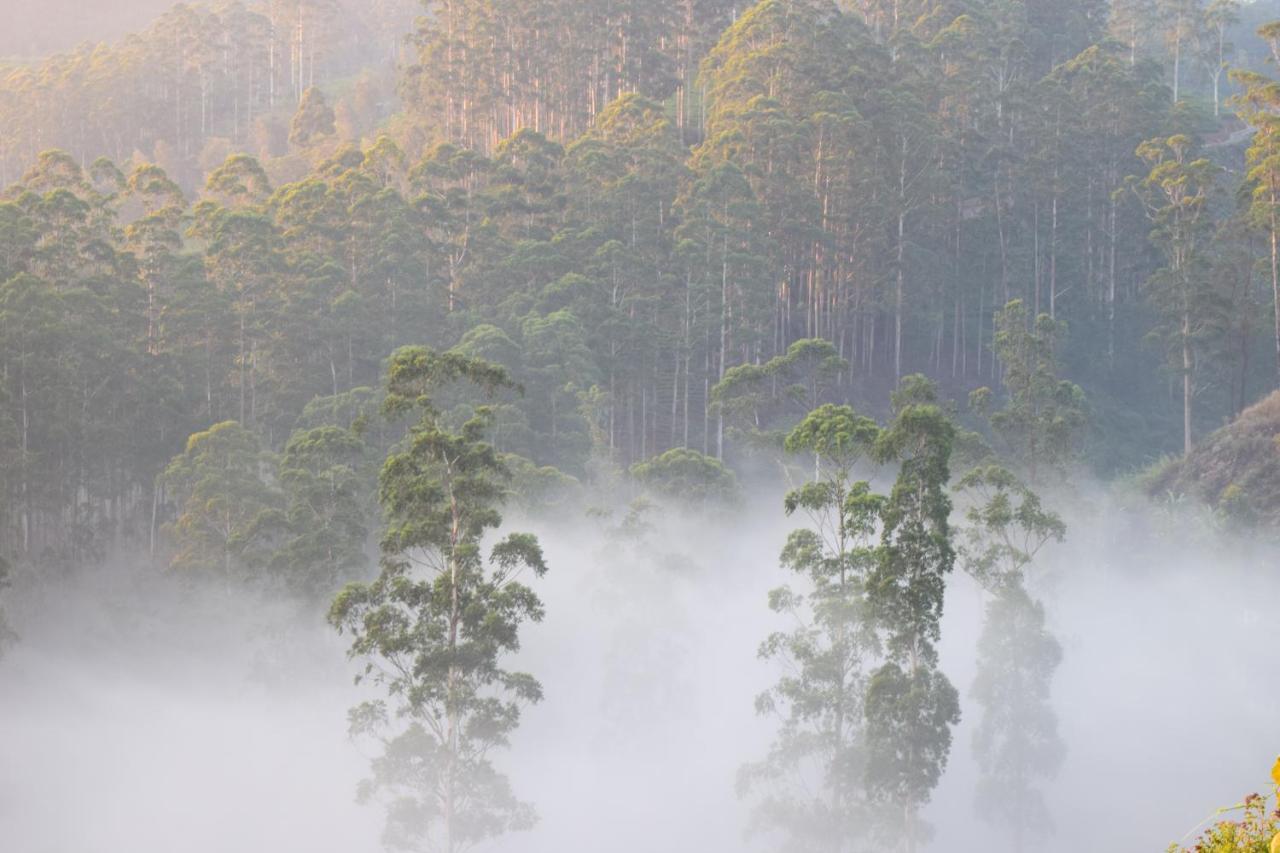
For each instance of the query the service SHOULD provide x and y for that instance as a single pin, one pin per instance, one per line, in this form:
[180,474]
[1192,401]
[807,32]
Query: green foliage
[688,477]
[1017,740]
[434,627]
[810,787]
[325,516]
[1007,527]
[312,121]
[541,491]
[910,705]
[225,506]
[758,397]
[1042,422]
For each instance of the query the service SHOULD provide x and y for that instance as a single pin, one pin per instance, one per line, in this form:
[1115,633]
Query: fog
[38,27]
[141,714]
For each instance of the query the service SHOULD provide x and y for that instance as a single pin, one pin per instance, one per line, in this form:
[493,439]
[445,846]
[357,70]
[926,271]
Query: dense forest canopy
[227,216]
[276,275]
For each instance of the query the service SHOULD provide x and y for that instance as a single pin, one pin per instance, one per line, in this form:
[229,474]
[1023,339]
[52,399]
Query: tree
[810,787]
[1044,416]
[760,397]
[1258,105]
[689,477]
[435,625]
[1181,20]
[325,515]
[911,706]
[6,633]
[225,509]
[1176,195]
[312,120]
[1016,741]
[1219,17]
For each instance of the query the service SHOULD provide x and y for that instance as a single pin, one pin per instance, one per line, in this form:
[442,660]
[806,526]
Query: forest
[834,405]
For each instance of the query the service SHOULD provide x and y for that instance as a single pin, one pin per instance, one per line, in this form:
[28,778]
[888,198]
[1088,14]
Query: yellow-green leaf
[1275,772]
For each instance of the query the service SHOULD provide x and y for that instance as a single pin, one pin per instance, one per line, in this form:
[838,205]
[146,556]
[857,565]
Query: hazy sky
[37,27]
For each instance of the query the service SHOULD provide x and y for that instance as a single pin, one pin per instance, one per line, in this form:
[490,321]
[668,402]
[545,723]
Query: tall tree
[1176,194]
[911,706]
[1258,105]
[1215,50]
[810,787]
[1044,416]
[435,625]
[1016,741]
[225,508]
[325,511]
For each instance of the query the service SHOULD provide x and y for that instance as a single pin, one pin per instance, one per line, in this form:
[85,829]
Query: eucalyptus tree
[1181,22]
[312,121]
[434,628]
[243,258]
[689,478]
[1176,194]
[1133,24]
[1216,50]
[225,510]
[761,399]
[1258,105]
[811,788]
[911,706]
[1016,741]
[730,269]
[325,516]
[1043,419]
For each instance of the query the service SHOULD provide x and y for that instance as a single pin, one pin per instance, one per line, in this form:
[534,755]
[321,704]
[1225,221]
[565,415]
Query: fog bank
[144,716]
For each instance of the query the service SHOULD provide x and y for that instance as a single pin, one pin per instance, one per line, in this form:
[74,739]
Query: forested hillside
[517,253]
[638,211]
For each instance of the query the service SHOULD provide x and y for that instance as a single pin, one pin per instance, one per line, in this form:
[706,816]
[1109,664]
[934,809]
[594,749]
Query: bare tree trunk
[1186,382]
[1275,275]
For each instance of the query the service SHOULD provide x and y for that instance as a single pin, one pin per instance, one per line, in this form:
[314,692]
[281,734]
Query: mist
[143,713]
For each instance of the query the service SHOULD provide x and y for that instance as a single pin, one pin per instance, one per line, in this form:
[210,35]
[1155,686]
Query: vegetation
[1235,470]
[1258,828]
[622,253]
[435,625]
[1016,741]
[810,788]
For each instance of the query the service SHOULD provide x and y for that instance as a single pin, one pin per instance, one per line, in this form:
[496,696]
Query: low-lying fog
[139,715]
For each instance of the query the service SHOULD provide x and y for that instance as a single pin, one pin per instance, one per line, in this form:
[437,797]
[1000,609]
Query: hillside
[1236,469]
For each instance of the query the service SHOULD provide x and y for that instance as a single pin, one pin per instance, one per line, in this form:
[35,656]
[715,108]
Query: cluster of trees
[884,176]
[856,201]
[865,713]
[485,71]
[659,236]
[200,82]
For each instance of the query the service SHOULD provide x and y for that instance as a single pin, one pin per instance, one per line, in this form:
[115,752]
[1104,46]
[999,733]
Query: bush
[1257,830]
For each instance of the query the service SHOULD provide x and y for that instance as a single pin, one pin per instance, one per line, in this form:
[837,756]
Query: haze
[543,426]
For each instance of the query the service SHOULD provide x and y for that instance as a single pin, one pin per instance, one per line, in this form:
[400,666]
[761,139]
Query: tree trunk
[1186,382]
[1275,276]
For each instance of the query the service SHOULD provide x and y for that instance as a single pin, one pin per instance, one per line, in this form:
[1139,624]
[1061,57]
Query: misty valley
[534,426]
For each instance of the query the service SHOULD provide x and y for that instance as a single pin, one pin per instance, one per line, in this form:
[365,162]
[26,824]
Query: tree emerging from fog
[434,627]
[1016,742]
[809,788]
[911,706]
